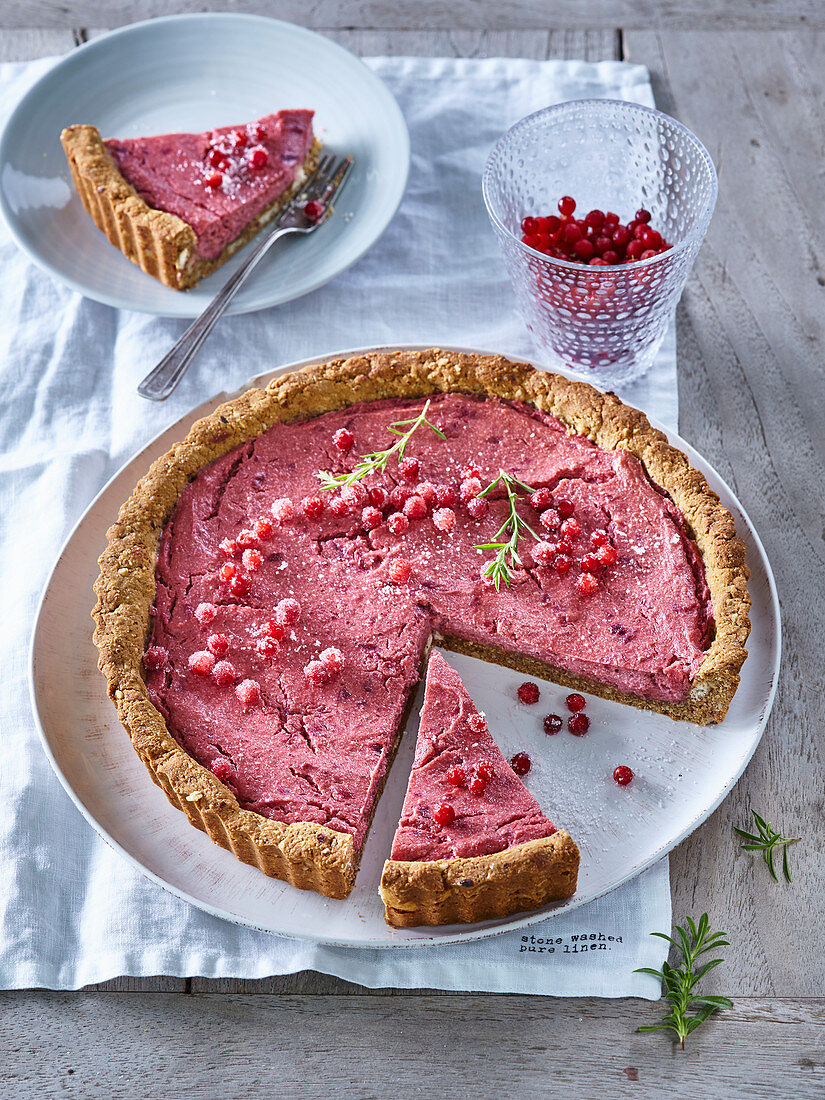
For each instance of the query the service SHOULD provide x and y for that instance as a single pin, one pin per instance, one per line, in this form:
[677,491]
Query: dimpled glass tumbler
[604,324]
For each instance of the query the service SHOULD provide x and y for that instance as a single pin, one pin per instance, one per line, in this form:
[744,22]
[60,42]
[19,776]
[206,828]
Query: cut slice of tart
[179,205]
[472,843]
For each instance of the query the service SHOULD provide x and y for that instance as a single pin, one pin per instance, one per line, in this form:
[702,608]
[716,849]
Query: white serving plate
[193,73]
[682,771]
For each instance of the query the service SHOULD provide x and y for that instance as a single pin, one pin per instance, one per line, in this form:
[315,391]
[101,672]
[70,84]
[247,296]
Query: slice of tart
[262,637]
[472,843]
[179,205]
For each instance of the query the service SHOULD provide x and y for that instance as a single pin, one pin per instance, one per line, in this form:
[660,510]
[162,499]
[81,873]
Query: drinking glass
[604,324]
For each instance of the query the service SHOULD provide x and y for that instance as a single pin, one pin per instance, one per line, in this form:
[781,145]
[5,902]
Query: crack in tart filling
[179,205]
[262,636]
[472,842]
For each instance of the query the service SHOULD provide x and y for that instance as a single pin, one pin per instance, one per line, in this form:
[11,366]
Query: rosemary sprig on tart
[506,539]
[765,841]
[680,980]
[376,462]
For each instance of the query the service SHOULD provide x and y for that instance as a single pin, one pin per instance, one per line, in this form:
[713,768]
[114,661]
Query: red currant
[561,563]
[550,519]
[415,508]
[521,763]
[288,612]
[239,585]
[578,724]
[399,571]
[409,469]
[552,724]
[528,693]
[223,673]
[623,775]
[586,583]
[398,523]
[444,814]
[485,770]
[456,775]
[312,507]
[370,518]
[567,205]
[575,702]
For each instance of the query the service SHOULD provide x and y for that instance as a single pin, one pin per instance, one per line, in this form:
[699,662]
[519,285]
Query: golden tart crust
[161,244]
[306,854]
[463,890]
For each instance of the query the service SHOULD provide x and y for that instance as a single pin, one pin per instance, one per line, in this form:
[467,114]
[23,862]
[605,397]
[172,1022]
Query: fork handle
[159,382]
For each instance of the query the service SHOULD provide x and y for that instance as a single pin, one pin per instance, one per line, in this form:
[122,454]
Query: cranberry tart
[179,205]
[271,587]
[472,843]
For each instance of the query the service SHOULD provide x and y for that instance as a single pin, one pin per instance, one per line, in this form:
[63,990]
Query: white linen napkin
[72,911]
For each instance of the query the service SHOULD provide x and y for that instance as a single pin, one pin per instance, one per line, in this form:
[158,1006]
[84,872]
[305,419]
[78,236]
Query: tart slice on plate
[472,843]
[179,205]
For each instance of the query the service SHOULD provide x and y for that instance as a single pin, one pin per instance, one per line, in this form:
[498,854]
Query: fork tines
[328,177]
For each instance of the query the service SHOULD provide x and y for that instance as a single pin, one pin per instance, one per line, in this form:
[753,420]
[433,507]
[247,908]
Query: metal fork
[322,186]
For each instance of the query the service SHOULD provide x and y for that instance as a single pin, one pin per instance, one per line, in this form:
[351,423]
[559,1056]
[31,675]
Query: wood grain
[591,45]
[751,395]
[464,14]
[103,1045]
[752,392]
[28,43]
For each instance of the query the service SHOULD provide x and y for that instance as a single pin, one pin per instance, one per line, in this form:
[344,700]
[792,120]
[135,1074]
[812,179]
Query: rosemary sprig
[765,841]
[376,461]
[679,981]
[506,539]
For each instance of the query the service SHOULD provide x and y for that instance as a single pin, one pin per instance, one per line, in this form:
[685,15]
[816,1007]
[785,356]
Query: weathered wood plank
[305,983]
[751,398]
[159,983]
[588,45]
[28,43]
[121,1045]
[467,14]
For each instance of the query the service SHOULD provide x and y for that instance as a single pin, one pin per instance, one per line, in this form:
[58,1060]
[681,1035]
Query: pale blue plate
[194,72]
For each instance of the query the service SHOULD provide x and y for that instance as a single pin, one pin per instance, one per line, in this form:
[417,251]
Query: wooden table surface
[747,76]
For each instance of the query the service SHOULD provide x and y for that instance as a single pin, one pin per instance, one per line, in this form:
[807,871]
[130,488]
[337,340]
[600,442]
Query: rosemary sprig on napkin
[376,462]
[680,980]
[765,841]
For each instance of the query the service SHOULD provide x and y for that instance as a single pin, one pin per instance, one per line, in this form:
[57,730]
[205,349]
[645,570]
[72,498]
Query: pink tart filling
[322,629]
[463,798]
[221,180]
